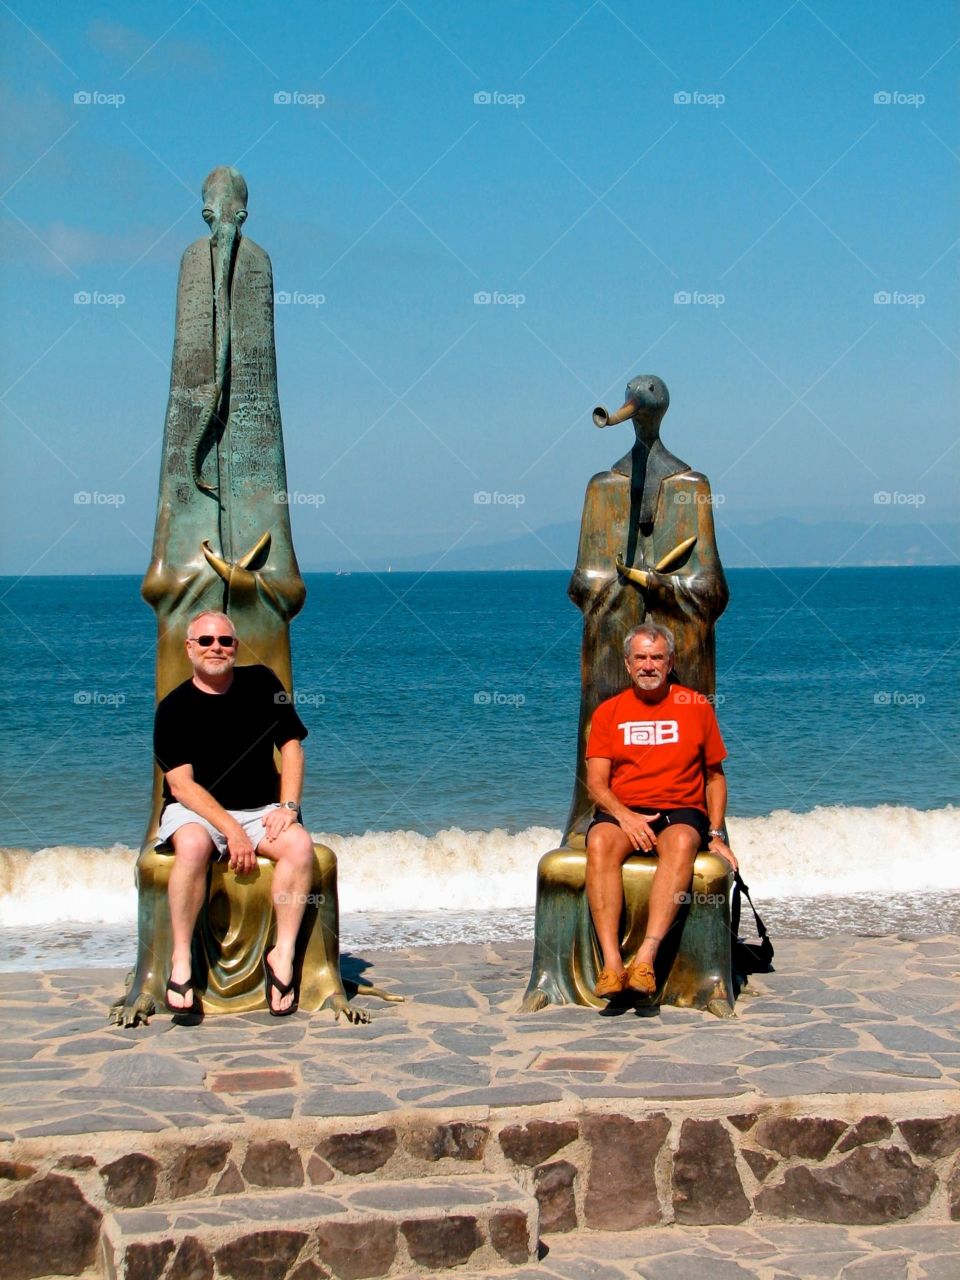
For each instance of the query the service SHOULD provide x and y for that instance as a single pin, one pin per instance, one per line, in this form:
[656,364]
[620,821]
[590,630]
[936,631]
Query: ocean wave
[828,851]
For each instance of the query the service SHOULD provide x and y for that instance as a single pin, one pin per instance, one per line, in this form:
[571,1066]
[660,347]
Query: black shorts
[695,818]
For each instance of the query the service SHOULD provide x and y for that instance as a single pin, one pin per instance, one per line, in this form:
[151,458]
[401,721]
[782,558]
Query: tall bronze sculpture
[223,542]
[222,538]
[647,552]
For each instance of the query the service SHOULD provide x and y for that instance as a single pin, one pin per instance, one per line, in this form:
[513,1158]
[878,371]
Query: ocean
[442,711]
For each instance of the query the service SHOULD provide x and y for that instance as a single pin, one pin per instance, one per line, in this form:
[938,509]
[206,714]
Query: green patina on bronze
[222,538]
[223,542]
[647,552]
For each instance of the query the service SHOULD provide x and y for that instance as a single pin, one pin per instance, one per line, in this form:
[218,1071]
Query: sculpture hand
[340,1004]
[640,576]
[649,578]
[244,584]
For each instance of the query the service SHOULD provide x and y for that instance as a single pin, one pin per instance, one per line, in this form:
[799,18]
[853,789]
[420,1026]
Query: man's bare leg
[608,848]
[192,849]
[677,848]
[292,853]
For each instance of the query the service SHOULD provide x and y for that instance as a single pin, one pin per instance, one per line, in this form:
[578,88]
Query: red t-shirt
[658,752]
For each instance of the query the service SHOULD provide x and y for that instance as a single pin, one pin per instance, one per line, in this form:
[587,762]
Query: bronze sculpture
[647,553]
[223,538]
[223,542]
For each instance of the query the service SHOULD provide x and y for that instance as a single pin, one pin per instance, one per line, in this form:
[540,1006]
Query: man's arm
[188,792]
[291,788]
[716,787]
[636,826]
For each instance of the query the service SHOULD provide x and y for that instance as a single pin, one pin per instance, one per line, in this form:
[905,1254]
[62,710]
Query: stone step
[350,1231]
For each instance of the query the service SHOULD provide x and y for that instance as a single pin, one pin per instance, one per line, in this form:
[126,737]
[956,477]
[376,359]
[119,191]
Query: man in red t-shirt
[655,773]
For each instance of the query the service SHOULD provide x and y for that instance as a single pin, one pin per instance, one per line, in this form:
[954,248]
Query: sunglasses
[225,642]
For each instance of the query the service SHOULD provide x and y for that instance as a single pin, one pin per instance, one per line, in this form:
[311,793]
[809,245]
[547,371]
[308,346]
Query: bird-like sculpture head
[647,400]
[224,202]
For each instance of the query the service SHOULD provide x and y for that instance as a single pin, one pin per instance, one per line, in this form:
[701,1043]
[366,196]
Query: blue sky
[735,153]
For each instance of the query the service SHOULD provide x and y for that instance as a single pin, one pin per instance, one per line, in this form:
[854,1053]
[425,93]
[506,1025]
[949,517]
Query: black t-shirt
[228,737]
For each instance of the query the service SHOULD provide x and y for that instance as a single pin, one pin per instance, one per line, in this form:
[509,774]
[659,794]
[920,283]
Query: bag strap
[761,927]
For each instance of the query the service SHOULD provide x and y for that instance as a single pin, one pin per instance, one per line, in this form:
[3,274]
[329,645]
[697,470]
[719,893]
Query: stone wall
[600,1170]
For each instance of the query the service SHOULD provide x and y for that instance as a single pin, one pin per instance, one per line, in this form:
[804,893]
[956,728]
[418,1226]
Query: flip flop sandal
[272,983]
[180,989]
[184,1015]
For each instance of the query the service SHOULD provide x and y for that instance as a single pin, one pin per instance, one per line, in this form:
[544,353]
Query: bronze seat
[693,967]
[234,929]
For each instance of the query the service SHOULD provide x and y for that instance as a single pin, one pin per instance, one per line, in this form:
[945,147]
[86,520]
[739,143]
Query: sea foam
[828,851]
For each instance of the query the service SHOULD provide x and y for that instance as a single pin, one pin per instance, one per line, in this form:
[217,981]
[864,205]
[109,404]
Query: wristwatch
[718,833]
[290,804]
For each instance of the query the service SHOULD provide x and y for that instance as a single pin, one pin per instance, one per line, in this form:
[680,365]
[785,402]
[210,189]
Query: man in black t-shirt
[214,739]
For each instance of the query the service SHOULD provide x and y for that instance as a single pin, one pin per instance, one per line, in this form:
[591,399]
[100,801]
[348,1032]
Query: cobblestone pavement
[841,1016]
[922,1252]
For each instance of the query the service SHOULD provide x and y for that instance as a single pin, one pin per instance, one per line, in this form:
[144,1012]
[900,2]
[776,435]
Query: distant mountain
[784,542]
[779,543]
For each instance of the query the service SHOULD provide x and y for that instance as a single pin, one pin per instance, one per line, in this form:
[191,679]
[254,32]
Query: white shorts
[175,816]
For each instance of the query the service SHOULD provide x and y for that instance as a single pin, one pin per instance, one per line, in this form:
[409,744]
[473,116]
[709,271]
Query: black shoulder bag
[748,957]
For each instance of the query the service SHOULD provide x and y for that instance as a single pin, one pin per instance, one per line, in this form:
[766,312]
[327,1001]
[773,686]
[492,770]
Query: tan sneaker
[641,977]
[610,983]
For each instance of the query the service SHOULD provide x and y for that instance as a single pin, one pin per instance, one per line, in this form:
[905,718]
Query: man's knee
[192,845]
[679,844]
[294,847]
[606,845]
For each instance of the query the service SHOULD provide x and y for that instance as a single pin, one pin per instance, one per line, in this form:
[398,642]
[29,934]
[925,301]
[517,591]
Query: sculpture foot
[720,1009]
[534,1000]
[127,1013]
[340,1004]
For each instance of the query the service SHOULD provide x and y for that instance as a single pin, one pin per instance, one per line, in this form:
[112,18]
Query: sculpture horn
[603,419]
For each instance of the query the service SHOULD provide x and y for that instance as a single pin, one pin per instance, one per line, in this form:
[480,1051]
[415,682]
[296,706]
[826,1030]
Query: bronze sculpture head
[646,401]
